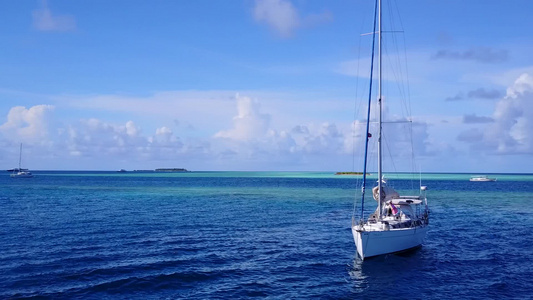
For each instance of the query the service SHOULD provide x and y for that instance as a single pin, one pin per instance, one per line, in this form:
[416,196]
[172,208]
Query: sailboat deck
[392,223]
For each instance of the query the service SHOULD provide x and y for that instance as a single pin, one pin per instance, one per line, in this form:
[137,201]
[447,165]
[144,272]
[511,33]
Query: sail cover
[387,193]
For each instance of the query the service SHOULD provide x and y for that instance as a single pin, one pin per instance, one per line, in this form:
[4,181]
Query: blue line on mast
[367,135]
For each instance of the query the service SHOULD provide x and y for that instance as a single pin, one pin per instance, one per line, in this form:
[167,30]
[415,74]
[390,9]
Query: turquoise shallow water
[277,235]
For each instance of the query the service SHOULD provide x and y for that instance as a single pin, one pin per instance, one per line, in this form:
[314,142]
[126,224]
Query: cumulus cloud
[28,124]
[45,20]
[249,123]
[163,131]
[328,139]
[254,138]
[97,138]
[252,126]
[513,128]
[284,18]
[93,136]
[316,139]
[511,131]
[481,55]
[93,143]
[164,137]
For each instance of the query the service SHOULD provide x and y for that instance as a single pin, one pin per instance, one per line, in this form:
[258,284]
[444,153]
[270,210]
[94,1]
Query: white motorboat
[482,178]
[399,223]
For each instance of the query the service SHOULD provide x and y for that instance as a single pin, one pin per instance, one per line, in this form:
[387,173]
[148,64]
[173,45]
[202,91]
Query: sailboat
[20,172]
[399,223]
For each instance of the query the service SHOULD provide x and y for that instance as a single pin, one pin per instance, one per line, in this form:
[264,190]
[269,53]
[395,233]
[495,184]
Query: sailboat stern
[359,239]
[380,242]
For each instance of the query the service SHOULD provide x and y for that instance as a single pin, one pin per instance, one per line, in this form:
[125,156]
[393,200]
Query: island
[351,173]
[171,170]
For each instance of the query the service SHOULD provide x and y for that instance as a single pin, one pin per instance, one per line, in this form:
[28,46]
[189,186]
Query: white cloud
[28,124]
[273,134]
[97,143]
[513,128]
[247,130]
[253,138]
[278,14]
[508,77]
[44,20]
[101,140]
[511,131]
[249,123]
[94,137]
[328,139]
[165,138]
[322,145]
[253,131]
[284,18]
[163,131]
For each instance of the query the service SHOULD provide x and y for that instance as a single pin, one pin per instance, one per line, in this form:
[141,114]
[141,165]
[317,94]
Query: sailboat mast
[380,171]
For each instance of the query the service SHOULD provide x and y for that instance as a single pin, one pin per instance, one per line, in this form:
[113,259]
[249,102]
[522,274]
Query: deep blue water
[224,235]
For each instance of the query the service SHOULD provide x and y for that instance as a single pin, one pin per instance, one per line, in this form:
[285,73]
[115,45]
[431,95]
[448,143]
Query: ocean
[241,235]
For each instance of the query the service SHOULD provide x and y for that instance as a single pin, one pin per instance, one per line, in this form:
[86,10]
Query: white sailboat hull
[374,243]
[22,175]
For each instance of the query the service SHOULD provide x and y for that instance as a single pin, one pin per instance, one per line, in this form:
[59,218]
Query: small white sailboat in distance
[399,223]
[20,172]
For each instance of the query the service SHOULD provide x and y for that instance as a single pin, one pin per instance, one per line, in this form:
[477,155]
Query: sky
[264,85]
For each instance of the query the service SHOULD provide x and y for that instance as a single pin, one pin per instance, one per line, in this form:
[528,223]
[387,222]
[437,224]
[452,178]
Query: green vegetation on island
[350,173]
[171,170]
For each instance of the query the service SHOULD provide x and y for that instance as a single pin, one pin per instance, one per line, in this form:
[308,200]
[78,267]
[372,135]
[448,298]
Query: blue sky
[260,85]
